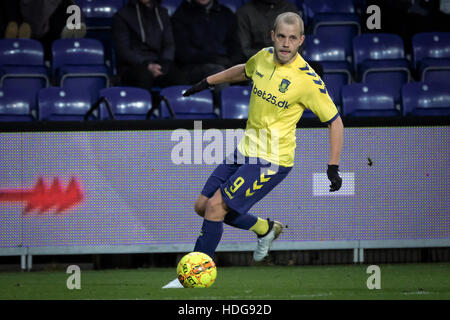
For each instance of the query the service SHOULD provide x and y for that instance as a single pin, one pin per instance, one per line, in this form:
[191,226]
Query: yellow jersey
[280,94]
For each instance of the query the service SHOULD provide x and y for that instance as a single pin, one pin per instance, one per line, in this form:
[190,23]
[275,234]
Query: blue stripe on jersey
[305,68]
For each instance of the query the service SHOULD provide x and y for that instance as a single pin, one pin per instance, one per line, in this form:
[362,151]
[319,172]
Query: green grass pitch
[398,281]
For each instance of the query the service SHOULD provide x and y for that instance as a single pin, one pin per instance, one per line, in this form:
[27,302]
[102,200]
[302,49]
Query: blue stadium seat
[235,102]
[16,104]
[426,99]
[63,104]
[99,13]
[197,106]
[335,81]
[79,63]
[76,52]
[380,50]
[431,56]
[380,58]
[21,52]
[127,103]
[332,17]
[346,34]
[326,47]
[311,8]
[331,52]
[435,70]
[171,5]
[22,65]
[368,100]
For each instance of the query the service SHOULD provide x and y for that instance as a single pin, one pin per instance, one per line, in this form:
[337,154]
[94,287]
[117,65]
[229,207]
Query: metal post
[23,262]
[355,255]
[29,262]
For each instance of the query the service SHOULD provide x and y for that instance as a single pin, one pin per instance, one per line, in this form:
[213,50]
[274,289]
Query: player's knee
[216,209]
[215,201]
[211,204]
[200,208]
[200,205]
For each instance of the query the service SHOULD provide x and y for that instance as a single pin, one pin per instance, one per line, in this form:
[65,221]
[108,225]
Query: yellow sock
[260,227]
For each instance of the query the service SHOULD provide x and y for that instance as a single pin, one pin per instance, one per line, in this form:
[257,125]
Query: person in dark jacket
[145,49]
[255,20]
[12,22]
[42,20]
[205,37]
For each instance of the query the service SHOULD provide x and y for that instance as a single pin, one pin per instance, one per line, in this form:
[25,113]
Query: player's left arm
[319,102]
[336,132]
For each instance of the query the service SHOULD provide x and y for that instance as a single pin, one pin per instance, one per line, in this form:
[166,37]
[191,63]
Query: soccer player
[284,85]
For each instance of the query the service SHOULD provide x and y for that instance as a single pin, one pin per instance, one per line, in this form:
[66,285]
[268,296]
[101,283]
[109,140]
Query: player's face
[286,41]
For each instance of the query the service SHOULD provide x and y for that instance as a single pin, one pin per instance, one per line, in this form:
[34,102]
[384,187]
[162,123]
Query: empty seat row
[376,57]
[363,100]
[417,99]
[380,58]
[128,103]
[380,50]
[75,63]
[69,104]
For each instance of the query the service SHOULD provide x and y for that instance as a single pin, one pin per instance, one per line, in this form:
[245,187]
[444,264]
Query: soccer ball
[196,270]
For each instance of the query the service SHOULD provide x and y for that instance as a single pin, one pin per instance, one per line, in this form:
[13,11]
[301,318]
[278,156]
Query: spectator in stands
[12,21]
[408,17]
[48,19]
[43,20]
[255,20]
[205,38]
[144,44]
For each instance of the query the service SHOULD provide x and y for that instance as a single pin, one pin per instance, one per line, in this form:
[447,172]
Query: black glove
[199,86]
[334,177]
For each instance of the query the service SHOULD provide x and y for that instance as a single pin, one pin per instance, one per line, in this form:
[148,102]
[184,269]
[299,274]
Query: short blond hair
[289,18]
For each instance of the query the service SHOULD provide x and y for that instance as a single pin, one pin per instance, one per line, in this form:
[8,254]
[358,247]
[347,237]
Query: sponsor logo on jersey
[269,97]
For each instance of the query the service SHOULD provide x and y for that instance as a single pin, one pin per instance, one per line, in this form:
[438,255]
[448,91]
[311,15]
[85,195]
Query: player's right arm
[238,73]
[233,74]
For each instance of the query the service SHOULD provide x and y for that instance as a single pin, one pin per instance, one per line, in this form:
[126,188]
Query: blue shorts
[244,181]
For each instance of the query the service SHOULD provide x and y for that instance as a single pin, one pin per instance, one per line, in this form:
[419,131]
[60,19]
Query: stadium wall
[137,200]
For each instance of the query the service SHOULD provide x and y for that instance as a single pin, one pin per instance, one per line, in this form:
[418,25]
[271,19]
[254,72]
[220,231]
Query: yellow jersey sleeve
[250,65]
[319,102]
